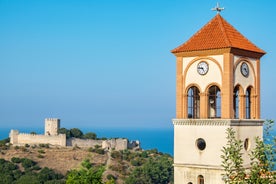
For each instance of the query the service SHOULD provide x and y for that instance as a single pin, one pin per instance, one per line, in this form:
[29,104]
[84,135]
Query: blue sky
[104,63]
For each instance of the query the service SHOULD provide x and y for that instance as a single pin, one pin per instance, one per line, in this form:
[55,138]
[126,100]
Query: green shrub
[90,149]
[16,160]
[97,150]
[40,156]
[110,177]
[36,168]
[4,141]
[97,146]
[135,162]
[47,174]
[144,154]
[41,151]
[116,154]
[27,163]
[44,145]
[2,161]
[100,151]
[24,149]
[120,167]
[33,146]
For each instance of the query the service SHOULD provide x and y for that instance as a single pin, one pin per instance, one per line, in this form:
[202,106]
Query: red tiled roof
[217,34]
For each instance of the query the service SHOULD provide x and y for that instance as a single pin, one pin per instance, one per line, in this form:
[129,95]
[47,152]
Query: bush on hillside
[27,163]
[16,160]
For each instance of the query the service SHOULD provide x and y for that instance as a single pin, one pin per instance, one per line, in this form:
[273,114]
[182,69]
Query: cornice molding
[218,122]
[186,165]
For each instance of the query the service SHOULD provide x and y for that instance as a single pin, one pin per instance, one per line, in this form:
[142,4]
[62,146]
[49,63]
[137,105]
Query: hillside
[117,164]
[59,159]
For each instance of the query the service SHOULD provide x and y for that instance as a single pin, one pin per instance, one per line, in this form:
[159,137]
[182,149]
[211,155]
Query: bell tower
[217,87]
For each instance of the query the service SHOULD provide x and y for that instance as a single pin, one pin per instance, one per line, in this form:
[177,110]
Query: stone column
[242,106]
[203,105]
[227,87]
[257,90]
[179,88]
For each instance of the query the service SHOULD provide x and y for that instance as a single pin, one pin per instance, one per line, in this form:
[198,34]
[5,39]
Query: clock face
[202,68]
[244,69]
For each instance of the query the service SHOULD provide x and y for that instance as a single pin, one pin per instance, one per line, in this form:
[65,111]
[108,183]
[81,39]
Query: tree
[232,161]
[87,174]
[11,173]
[65,131]
[262,158]
[155,170]
[90,135]
[4,142]
[28,179]
[47,174]
[75,132]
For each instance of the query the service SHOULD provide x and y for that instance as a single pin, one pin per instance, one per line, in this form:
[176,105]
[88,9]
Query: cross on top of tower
[217,8]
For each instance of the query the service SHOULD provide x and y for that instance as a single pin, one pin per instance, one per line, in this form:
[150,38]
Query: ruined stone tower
[51,126]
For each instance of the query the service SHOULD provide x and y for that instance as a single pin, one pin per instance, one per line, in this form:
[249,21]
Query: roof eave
[217,51]
[248,53]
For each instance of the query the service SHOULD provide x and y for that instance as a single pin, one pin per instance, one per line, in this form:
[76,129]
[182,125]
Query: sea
[150,138]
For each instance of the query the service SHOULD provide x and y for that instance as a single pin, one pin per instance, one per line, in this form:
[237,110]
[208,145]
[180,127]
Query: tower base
[198,147]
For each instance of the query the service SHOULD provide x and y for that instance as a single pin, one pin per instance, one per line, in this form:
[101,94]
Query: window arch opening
[214,102]
[248,103]
[236,103]
[193,102]
[200,179]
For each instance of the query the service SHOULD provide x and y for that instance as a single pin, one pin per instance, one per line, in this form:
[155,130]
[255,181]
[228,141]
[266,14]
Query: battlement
[52,119]
[21,139]
[52,137]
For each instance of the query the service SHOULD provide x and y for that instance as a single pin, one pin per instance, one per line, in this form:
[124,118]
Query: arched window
[193,102]
[236,102]
[200,179]
[248,103]
[214,102]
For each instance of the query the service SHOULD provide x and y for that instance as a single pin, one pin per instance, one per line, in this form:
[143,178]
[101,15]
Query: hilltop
[118,164]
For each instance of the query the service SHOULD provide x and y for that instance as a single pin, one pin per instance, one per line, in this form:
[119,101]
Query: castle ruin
[53,138]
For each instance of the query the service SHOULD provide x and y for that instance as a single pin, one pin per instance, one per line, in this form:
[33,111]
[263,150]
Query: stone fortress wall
[52,137]
[20,139]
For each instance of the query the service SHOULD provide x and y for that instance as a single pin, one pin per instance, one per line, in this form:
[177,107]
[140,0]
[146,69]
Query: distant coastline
[161,139]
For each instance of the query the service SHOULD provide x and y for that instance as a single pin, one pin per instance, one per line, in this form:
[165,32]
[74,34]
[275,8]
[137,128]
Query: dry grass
[59,159]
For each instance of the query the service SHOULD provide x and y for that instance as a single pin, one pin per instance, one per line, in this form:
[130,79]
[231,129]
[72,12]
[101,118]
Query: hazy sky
[107,63]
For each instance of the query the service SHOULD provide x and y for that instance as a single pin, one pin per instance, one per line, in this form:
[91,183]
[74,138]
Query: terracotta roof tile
[217,34]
